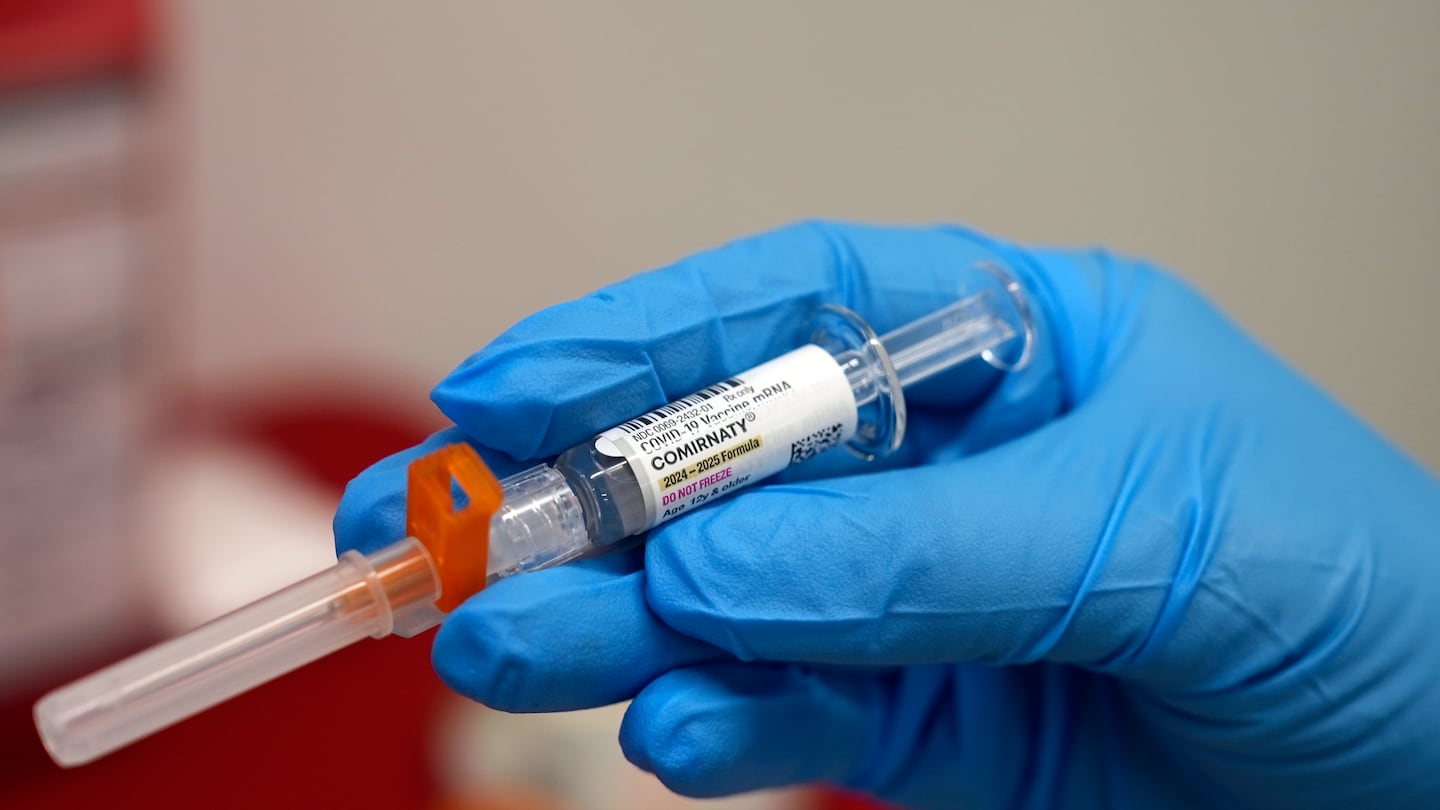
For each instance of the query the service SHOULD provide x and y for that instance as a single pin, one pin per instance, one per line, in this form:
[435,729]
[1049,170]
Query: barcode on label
[681,404]
[816,443]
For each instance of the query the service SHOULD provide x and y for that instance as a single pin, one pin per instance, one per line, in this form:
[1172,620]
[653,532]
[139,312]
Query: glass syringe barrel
[844,387]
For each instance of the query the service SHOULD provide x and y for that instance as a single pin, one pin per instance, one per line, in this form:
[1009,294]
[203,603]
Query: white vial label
[735,432]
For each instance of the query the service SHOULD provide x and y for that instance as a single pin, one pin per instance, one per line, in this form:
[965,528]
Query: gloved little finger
[926,736]
[726,728]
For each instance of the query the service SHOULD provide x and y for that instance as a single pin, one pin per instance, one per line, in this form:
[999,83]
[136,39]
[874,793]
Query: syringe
[846,386]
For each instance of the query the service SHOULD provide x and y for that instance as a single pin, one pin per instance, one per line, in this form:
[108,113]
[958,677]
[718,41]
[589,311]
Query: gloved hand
[1155,568]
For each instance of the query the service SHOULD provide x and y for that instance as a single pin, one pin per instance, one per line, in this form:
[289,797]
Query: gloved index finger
[567,372]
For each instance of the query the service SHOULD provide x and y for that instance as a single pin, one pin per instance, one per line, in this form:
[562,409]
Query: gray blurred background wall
[386,186]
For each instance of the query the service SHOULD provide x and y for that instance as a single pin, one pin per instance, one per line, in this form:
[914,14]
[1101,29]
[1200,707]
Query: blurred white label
[43,135]
[71,366]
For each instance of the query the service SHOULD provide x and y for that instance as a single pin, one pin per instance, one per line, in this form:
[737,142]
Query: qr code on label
[814,444]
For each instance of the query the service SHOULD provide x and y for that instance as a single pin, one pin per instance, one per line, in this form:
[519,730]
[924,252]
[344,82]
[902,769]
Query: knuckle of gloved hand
[1154,285]
[485,662]
[669,739]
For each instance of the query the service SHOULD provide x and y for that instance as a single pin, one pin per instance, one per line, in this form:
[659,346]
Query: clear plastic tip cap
[392,590]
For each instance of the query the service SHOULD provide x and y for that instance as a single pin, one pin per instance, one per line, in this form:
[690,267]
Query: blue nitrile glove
[1156,568]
